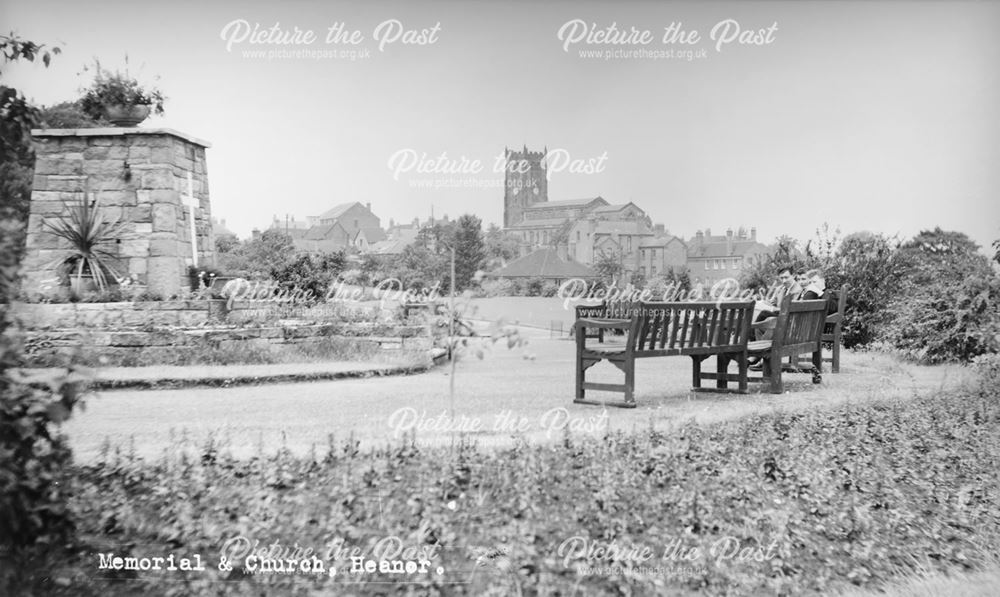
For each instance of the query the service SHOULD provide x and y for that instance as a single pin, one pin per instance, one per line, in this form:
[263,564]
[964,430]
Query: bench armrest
[607,324]
[835,318]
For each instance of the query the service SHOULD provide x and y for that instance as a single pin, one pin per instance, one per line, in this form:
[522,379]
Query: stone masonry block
[164,217]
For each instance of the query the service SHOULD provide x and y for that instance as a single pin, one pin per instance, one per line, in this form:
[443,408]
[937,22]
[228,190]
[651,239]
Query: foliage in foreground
[855,494]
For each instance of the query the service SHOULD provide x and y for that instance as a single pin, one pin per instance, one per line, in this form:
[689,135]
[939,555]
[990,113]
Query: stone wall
[113,343]
[119,328]
[138,176]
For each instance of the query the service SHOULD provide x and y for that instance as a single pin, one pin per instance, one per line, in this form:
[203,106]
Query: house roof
[390,247]
[219,229]
[372,234]
[631,227]
[323,231]
[715,250]
[544,263]
[338,210]
[660,241]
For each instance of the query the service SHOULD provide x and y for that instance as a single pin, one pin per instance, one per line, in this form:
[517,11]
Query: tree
[470,250]
[17,158]
[609,265]
[500,247]
[33,489]
[942,255]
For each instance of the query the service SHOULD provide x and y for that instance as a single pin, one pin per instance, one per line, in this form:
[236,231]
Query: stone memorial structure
[141,176]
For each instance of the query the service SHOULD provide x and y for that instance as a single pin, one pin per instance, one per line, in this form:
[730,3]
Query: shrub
[938,322]
[311,273]
[497,287]
[534,286]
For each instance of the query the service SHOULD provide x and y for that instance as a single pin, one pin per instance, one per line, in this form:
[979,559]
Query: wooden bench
[833,328]
[698,330]
[798,330]
[606,310]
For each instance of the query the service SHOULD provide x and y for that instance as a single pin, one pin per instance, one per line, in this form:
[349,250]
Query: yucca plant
[86,228]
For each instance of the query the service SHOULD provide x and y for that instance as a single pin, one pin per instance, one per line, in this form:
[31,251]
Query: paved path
[530,388]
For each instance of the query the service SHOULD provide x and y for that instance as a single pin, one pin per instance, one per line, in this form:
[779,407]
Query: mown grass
[853,496]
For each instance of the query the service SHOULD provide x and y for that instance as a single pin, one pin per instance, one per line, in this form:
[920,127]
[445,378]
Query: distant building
[348,226]
[662,254]
[713,258]
[219,228]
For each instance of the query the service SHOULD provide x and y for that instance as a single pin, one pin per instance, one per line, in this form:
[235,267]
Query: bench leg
[721,367]
[696,372]
[772,373]
[630,383]
[741,362]
[835,367]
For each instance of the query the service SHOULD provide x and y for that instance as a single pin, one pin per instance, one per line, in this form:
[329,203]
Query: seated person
[788,286]
[815,286]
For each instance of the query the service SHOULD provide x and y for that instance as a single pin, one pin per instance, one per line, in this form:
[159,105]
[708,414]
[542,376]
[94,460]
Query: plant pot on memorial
[119,98]
[122,115]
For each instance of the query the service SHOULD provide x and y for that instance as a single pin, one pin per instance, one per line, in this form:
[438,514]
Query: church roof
[539,223]
[565,203]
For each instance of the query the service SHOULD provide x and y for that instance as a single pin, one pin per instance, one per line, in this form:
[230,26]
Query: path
[507,386]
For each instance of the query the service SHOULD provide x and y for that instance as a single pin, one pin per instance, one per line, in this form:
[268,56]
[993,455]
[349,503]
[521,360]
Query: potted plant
[85,228]
[118,97]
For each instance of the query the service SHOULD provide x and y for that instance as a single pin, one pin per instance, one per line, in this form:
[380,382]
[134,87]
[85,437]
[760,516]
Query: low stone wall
[118,328]
[177,313]
[114,315]
[122,341]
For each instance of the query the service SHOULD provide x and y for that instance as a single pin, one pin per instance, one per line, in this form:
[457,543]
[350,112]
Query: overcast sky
[874,116]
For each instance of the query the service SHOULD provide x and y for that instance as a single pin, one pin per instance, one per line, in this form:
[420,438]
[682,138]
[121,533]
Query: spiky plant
[85,228]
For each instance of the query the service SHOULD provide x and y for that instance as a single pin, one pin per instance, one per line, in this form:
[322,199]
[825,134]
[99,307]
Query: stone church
[581,229]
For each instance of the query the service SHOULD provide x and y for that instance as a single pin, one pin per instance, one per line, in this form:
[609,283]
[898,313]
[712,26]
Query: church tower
[524,183]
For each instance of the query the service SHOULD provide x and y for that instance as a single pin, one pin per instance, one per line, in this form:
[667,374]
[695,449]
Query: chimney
[753,233]
[708,233]
[368,206]
[658,229]
[729,241]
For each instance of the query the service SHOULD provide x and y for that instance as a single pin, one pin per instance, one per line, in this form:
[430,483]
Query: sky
[877,116]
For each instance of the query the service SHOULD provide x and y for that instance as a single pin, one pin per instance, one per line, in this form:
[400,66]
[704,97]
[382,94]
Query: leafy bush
[856,494]
[939,322]
[313,274]
[496,287]
[872,269]
[534,287]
